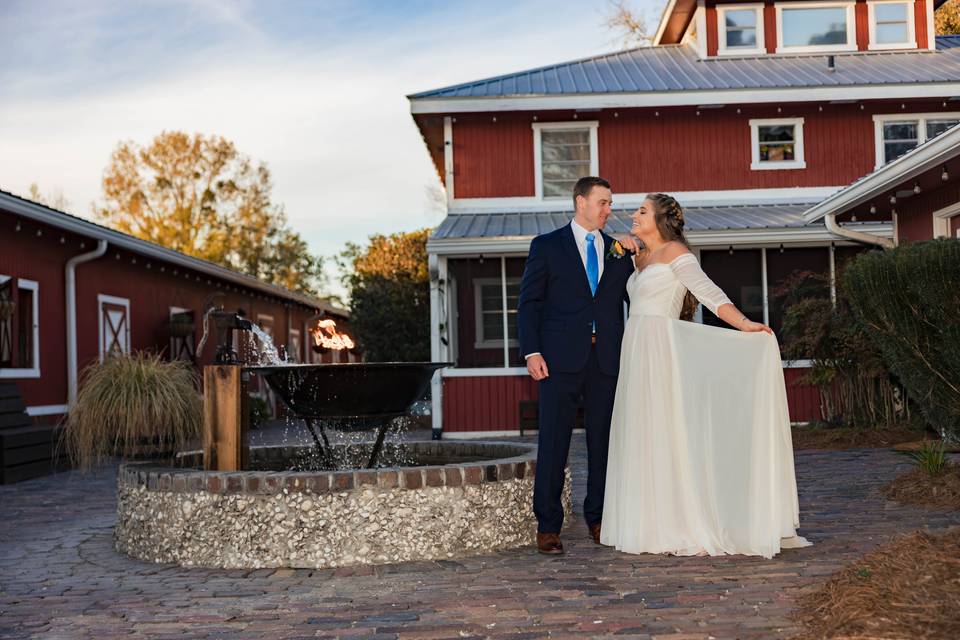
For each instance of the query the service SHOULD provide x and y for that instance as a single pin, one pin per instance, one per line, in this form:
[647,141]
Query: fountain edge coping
[156,477]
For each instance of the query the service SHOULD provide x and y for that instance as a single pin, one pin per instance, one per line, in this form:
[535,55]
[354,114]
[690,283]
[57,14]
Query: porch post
[763,277]
[833,276]
[503,293]
[439,325]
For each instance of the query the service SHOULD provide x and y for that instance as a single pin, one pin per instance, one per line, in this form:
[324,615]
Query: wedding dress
[700,457]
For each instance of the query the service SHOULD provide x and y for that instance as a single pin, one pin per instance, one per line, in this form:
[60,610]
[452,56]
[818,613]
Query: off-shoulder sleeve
[696,281]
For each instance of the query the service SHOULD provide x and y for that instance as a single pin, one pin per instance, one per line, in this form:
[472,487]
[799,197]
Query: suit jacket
[556,311]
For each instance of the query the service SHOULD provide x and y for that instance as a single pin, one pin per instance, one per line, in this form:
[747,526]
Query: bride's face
[644,224]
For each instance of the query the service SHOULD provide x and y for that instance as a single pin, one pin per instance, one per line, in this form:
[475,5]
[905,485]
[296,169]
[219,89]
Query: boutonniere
[616,250]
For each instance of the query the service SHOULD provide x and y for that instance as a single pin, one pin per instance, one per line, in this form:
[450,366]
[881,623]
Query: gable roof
[670,69]
[59,219]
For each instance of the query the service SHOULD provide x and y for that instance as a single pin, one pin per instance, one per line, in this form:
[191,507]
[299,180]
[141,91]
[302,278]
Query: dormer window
[804,27]
[890,25]
[741,29]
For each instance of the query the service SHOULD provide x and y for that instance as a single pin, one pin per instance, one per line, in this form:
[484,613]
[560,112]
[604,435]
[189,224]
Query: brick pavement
[61,578]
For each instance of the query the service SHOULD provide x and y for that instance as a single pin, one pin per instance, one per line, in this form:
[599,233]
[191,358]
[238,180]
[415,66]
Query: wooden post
[224,419]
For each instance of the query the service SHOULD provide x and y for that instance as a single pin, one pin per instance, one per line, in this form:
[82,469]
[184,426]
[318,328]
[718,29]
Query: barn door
[114,326]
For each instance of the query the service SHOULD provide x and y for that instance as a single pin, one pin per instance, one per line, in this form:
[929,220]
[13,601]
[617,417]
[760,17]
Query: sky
[315,90]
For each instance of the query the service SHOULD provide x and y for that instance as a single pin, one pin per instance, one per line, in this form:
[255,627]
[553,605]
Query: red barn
[72,291]
[751,113]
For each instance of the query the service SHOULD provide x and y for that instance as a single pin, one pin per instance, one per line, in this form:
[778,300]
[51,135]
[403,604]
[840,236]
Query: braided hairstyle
[668,216]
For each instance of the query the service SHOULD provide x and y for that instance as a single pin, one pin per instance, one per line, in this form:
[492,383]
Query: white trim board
[47,410]
[916,90]
[34,371]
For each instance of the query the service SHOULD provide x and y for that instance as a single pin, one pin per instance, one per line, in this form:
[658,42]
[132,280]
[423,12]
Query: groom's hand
[537,367]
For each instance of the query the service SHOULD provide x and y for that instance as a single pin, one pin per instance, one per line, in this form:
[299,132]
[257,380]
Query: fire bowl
[470,498]
[350,391]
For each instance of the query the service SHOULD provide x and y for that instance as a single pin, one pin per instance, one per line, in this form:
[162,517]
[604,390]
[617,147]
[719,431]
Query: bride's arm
[688,270]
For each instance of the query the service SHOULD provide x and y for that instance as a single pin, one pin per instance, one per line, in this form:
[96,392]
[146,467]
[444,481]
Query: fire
[326,336]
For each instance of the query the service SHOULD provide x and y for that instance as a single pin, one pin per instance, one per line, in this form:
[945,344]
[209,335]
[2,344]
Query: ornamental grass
[909,588]
[132,405]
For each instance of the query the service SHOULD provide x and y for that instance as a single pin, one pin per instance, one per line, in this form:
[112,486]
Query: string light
[893,198]
[916,187]
[873,208]
[943,176]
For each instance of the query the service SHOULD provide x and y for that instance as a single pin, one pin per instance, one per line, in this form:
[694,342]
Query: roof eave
[904,168]
[40,213]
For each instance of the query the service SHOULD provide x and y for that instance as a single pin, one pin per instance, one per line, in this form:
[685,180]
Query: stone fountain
[327,504]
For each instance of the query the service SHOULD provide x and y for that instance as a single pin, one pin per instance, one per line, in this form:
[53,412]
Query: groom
[570,328]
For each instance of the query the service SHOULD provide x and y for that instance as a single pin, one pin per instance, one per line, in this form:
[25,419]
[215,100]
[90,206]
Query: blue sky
[316,90]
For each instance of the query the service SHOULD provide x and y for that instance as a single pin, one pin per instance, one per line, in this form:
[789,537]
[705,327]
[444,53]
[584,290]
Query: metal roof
[527,224]
[667,68]
[16,205]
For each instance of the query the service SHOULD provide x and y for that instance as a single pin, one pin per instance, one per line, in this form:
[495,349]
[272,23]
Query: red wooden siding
[920,17]
[485,403]
[770,26]
[493,156]
[862,17]
[492,403]
[955,227]
[712,32]
[676,150]
[151,286]
[915,214]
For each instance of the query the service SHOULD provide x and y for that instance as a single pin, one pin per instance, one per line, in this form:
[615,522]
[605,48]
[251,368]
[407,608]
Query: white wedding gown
[700,458]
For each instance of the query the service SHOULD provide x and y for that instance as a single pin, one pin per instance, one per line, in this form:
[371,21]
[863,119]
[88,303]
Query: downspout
[71,294]
[834,227]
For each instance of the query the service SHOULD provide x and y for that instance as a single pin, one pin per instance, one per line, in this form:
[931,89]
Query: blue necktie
[593,265]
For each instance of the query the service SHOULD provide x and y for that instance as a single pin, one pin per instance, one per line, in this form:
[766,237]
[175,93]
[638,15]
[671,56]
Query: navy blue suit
[556,317]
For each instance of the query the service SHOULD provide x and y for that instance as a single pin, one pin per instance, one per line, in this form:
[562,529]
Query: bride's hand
[630,244]
[752,327]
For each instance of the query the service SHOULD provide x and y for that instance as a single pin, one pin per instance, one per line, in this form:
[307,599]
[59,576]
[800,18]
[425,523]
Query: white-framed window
[563,152]
[942,218]
[900,132]
[488,302]
[19,328]
[891,24]
[293,345]
[741,29]
[804,27]
[776,143]
[114,325]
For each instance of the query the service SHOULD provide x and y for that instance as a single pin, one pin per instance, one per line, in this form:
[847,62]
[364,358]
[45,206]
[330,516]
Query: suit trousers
[560,395]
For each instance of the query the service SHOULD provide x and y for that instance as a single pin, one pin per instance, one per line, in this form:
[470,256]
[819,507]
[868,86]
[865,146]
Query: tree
[389,287]
[54,199]
[946,19]
[200,196]
[630,26]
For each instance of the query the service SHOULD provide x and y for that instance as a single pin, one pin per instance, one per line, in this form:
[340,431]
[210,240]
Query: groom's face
[594,209]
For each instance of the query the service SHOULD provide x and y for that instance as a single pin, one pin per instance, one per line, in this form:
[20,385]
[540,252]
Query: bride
[700,456]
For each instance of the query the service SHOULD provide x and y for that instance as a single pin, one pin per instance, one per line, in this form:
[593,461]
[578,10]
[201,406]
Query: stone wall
[329,519]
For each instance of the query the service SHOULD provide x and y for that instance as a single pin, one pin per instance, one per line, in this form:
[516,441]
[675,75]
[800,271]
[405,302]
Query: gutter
[71,309]
[857,236]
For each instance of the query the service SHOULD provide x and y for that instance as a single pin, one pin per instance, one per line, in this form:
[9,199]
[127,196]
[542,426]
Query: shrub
[855,385]
[908,300]
[931,457]
[132,405]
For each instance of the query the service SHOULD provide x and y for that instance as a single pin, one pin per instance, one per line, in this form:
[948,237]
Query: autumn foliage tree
[200,196]
[389,287]
[946,19]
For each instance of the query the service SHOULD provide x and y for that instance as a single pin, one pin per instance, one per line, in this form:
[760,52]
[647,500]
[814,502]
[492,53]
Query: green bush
[909,301]
[855,386]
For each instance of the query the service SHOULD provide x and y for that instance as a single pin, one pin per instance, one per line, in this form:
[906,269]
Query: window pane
[893,150]
[492,326]
[936,127]
[25,328]
[890,12]
[776,133]
[740,18]
[565,157]
[776,152]
[741,37]
[904,131]
[808,27]
[7,310]
[739,276]
[892,33]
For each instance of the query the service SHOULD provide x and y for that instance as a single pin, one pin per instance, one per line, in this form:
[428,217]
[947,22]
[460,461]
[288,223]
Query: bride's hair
[668,216]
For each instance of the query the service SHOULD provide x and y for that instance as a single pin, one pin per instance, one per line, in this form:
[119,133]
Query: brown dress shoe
[595,532]
[549,544]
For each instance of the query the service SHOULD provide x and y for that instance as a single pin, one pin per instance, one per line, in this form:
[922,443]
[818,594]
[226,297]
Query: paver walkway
[61,578]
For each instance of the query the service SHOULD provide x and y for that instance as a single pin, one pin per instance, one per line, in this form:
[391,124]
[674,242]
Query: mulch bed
[848,438]
[909,588]
[919,487]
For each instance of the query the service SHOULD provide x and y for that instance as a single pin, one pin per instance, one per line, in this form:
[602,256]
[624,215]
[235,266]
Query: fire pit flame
[326,336]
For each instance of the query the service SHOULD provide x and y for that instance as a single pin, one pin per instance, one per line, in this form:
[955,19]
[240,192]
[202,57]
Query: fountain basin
[477,501]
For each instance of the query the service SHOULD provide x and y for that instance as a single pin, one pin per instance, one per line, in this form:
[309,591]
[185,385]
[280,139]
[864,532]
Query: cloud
[317,94]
